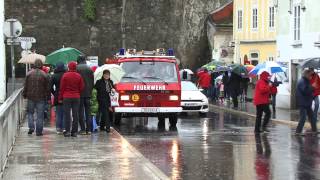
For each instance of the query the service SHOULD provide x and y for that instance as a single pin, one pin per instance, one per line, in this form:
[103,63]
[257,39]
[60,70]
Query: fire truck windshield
[149,71]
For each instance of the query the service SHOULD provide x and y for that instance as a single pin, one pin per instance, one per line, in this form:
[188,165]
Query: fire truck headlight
[173,98]
[125,98]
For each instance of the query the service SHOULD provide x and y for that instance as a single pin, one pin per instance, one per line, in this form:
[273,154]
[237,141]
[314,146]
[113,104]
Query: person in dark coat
[71,86]
[55,88]
[244,88]
[225,80]
[234,88]
[86,73]
[304,96]
[36,91]
[261,101]
[104,87]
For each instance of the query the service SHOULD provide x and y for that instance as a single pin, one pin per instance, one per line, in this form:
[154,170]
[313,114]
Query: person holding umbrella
[261,101]
[104,87]
[304,96]
[234,88]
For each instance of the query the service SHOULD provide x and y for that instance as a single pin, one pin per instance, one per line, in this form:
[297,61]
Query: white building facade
[298,38]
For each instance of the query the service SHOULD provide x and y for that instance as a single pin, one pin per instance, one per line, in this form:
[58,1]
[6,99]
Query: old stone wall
[140,24]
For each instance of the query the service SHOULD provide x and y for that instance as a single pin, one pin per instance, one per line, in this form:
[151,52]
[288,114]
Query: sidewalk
[282,116]
[99,156]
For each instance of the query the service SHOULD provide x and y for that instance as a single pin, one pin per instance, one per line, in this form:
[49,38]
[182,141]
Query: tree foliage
[90,10]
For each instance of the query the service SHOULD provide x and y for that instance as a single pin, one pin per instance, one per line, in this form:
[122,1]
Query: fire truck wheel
[117,119]
[162,121]
[173,120]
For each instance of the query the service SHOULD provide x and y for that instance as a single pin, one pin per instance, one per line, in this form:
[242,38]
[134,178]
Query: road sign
[27,39]
[26,45]
[12,28]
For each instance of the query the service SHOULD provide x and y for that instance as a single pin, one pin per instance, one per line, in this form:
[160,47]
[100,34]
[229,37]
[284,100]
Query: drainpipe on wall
[2,56]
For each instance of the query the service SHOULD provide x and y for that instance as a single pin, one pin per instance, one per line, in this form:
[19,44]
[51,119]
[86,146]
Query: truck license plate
[150,110]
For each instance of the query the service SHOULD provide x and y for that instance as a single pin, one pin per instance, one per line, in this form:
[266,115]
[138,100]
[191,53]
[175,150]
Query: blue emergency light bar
[122,52]
[170,52]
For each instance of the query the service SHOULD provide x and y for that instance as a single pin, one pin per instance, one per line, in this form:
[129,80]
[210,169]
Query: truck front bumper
[148,110]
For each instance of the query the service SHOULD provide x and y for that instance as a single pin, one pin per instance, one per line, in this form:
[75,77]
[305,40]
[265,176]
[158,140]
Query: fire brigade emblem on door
[135,97]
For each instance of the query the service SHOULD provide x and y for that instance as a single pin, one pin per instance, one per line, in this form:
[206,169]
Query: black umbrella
[311,63]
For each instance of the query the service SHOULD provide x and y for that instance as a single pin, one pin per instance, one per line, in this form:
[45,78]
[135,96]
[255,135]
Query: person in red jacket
[315,82]
[261,101]
[71,86]
[205,81]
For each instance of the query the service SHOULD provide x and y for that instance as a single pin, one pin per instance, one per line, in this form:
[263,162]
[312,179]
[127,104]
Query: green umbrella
[213,65]
[239,69]
[64,55]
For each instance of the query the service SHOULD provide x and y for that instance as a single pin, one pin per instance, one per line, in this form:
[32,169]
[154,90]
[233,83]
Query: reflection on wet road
[223,146]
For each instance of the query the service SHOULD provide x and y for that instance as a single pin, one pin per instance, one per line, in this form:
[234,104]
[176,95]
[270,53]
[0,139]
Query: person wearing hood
[36,91]
[86,73]
[304,96]
[261,101]
[71,86]
[55,88]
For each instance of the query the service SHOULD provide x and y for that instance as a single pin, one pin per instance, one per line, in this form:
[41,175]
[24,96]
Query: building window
[271,17]
[254,18]
[240,19]
[271,58]
[254,57]
[297,23]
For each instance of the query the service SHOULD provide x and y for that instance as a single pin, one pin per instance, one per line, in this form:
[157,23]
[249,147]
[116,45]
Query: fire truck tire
[162,121]
[173,120]
[117,119]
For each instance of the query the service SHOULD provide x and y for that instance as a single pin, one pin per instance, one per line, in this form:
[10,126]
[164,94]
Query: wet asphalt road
[223,146]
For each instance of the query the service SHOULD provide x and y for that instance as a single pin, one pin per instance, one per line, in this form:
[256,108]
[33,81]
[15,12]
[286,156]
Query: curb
[145,162]
[278,121]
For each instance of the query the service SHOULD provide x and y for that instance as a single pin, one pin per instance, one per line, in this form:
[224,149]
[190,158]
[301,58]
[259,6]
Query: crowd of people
[74,95]
[232,85]
[226,85]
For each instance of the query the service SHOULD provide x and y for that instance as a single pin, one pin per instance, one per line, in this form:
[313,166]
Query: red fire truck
[151,86]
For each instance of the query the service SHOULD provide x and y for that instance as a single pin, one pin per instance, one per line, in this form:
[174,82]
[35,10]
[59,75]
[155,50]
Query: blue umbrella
[269,66]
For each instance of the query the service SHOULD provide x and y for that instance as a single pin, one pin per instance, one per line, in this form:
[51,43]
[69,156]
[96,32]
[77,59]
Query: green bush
[90,9]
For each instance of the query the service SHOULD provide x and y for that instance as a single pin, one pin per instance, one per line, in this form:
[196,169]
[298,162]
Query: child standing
[221,91]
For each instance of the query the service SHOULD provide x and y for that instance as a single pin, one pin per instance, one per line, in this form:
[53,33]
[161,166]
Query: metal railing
[11,116]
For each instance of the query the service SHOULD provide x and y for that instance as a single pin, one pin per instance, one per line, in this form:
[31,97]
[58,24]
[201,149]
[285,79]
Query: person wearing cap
[36,91]
[71,86]
[304,96]
[86,73]
[261,101]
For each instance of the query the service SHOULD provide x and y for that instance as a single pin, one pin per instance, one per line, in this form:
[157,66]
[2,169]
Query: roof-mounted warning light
[170,52]
[122,52]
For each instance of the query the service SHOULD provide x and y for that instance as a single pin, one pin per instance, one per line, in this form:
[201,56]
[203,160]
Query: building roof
[223,16]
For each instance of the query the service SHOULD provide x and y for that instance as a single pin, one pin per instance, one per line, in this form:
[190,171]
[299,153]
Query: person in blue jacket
[305,97]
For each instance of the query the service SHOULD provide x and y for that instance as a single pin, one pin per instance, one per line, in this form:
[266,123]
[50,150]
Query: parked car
[192,99]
